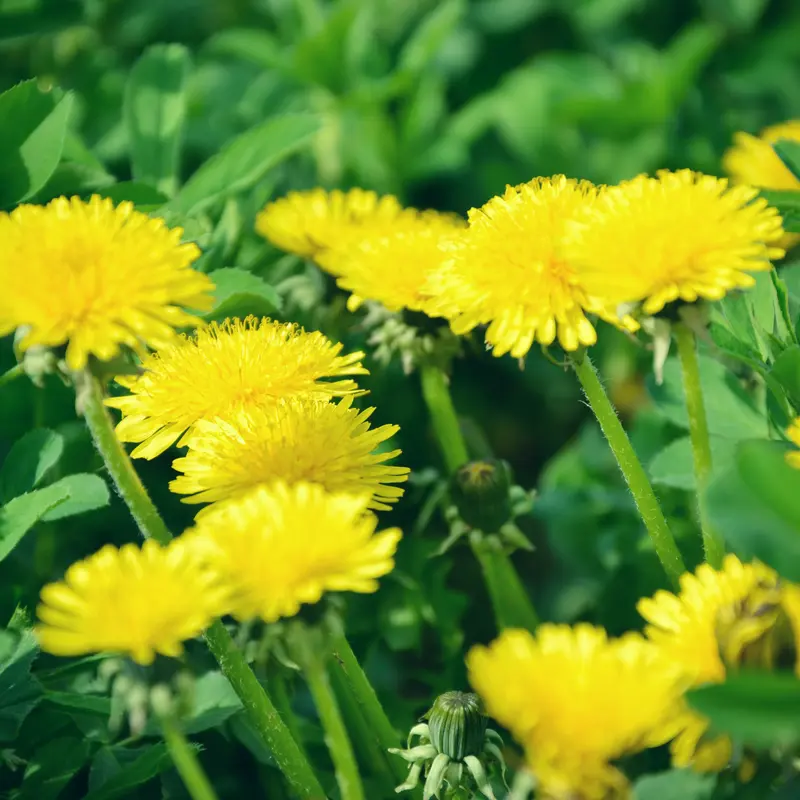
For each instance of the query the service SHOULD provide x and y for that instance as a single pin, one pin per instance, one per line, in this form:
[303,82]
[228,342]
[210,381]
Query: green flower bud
[457,724]
[480,490]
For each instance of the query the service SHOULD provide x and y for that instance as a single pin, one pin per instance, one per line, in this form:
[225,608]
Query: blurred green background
[442,103]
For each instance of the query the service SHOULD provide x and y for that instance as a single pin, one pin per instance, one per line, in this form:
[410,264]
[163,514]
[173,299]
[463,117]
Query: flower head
[138,601]
[96,277]
[222,369]
[752,160]
[679,236]
[576,700]
[793,432]
[297,439]
[720,619]
[284,546]
[392,269]
[509,270]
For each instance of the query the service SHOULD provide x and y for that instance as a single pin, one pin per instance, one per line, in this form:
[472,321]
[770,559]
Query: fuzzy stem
[713,543]
[631,468]
[308,653]
[257,704]
[186,762]
[11,374]
[510,601]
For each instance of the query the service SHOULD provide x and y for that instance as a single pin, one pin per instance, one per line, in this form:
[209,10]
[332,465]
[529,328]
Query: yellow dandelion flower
[222,369]
[283,546]
[793,432]
[508,270]
[297,439]
[680,236]
[790,602]
[313,222]
[136,601]
[576,700]
[752,160]
[720,619]
[96,277]
[393,269]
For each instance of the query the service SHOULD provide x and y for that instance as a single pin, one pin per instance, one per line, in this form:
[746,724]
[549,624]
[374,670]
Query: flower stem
[11,374]
[257,704]
[310,655]
[631,468]
[510,601]
[713,543]
[186,762]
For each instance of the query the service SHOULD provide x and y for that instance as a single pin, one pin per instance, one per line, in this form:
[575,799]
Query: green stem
[306,644]
[257,704]
[510,601]
[436,391]
[713,543]
[11,374]
[632,469]
[185,760]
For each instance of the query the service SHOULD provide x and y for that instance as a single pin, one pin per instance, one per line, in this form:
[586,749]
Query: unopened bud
[480,490]
[457,724]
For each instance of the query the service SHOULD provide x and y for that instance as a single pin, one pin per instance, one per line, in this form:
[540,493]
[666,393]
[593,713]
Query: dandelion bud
[457,724]
[481,494]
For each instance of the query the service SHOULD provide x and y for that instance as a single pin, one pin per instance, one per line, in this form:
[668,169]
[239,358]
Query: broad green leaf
[19,690]
[117,770]
[23,512]
[763,467]
[28,462]
[677,784]
[789,152]
[786,371]
[760,709]
[239,293]
[428,38]
[243,162]
[257,46]
[86,493]
[142,195]
[53,766]
[674,465]
[788,204]
[92,704]
[31,139]
[154,111]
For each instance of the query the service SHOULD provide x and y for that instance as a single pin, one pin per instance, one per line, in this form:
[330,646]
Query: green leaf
[53,766]
[677,784]
[244,161]
[143,196]
[28,462]
[239,293]
[760,709]
[788,204]
[154,111]
[789,152]
[674,465]
[117,770]
[92,704]
[20,692]
[23,512]
[86,493]
[427,40]
[256,46]
[764,469]
[786,371]
[31,139]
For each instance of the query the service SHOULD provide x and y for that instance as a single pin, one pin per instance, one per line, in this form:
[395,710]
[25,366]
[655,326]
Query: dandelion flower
[393,269]
[222,369]
[576,701]
[284,546]
[137,601]
[720,619]
[680,236]
[314,222]
[298,439]
[96,277]
[508,270]
[793,432]
[752,160]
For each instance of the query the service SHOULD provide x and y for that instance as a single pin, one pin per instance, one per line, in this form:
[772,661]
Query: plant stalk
[311,656]
[713,543]
[11,374]
[631,468]
[510,601]
[186,762]
[257,704]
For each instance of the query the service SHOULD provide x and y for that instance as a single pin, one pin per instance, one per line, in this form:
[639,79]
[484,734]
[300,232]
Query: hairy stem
[186,762]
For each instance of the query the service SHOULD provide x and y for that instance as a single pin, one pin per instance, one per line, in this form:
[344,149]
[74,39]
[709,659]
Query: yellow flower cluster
[577,700]
[538,262]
